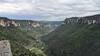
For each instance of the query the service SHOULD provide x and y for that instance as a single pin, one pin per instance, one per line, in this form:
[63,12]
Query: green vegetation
[20,41]
[74,40]
[37,51]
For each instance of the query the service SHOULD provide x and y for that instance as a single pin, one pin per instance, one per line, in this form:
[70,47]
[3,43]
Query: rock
[5,49]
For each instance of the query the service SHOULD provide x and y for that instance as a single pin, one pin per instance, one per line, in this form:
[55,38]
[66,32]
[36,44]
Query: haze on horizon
[50,10]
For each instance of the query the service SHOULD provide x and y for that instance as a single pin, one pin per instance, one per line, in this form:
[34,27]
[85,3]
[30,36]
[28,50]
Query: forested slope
[74,40]
[19,40]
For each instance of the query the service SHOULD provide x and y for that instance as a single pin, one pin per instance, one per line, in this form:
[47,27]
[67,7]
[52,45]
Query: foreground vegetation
[20,40]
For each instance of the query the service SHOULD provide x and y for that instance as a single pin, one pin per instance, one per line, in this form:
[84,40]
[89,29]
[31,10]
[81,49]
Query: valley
[76,36]
[25,37]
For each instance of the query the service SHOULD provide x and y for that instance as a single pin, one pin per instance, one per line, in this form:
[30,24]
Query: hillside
[19,40]
[74,40]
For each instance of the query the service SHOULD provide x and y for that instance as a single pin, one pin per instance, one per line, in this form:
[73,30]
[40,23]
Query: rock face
[84,20]
[5,48]
[34,24]
[5,22]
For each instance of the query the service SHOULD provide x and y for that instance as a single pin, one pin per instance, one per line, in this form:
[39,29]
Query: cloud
[16,7]
[49,9]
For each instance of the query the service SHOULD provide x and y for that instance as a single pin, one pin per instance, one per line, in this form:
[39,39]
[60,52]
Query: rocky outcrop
[84,20]
[5,22]
[5,49]
[34,24]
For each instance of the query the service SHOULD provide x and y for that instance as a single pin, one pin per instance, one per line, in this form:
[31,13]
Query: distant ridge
[4,18]
[95,19]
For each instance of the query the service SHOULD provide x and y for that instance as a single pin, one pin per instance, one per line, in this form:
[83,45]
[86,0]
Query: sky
[48,10]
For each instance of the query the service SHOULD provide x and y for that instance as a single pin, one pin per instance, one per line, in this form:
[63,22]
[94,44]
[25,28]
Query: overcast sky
[48,9]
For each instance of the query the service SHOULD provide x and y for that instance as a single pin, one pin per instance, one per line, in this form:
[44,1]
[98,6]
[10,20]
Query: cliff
[95,19]
[5,22]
